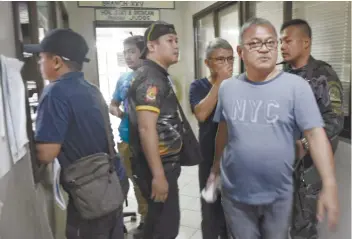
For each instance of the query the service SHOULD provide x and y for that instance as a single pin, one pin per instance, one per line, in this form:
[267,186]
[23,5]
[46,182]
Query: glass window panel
[273,12]
[230,31]
[332,39]
[205,33]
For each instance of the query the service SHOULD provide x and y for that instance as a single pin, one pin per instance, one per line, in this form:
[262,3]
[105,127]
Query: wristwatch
[305,144]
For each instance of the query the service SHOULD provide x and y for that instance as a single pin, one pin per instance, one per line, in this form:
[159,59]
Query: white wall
[7,38]
[81,21]
[23,212]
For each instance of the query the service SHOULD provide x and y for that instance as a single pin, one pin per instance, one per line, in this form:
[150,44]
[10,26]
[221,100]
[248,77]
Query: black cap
[64,43]
[154,31]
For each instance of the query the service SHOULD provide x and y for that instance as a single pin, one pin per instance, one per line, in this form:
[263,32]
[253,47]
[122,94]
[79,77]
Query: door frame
[112,24]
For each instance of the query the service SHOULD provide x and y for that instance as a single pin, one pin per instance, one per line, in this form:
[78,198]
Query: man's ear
[206,62]
[151,46]
[57,63]
[239,51]
[307,42]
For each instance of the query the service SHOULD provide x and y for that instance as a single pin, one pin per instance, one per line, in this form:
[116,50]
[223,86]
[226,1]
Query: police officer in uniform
[296,40]
[155,132]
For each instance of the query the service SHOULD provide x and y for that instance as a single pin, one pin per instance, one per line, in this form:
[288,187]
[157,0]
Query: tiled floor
[189,204]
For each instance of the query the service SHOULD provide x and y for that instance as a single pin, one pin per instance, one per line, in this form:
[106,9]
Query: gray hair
[217,43]
[254,22]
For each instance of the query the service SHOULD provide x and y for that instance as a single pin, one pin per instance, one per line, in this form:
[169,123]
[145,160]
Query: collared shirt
[69,114]
[151,90]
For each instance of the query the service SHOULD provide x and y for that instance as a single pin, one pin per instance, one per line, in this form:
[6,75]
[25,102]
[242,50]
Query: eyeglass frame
[261,45]
[229,59]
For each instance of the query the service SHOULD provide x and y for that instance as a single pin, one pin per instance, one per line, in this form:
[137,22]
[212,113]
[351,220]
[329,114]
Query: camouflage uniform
[328,92]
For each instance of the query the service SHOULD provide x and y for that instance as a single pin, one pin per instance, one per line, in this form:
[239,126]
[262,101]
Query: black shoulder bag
[190,154]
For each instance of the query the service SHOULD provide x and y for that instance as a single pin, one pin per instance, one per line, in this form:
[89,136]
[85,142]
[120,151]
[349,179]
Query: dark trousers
[163,219]
[304,219]
[213,219]
[107,227]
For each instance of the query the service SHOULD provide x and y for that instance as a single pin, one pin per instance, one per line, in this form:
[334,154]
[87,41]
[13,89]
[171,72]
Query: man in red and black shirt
[155,132]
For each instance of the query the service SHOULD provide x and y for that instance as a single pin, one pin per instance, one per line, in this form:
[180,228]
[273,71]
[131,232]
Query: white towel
[14,99]
[59,198]
[210,193]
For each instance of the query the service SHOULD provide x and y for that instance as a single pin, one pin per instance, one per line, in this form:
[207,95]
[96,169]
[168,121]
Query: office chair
[126,187]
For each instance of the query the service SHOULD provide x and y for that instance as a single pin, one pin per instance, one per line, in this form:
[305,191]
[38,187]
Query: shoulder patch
[336,96]
[151,93]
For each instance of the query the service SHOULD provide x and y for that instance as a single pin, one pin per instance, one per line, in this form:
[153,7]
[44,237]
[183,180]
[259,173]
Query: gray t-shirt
[264,119]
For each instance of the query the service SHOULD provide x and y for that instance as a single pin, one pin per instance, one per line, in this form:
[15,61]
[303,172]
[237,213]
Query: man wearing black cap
[70,125]
[155,137]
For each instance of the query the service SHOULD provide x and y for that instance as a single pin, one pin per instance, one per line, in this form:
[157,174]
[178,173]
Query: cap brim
[144,53]
[32,48]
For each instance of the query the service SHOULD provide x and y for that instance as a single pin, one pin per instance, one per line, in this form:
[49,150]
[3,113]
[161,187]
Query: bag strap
[104,112]
[310,71]
[183,116]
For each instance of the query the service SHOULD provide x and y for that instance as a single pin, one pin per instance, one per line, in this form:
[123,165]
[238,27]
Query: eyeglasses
[222,60]
[257,45]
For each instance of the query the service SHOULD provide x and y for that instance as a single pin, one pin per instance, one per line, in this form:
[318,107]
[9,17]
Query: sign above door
[126,15]
[128,4]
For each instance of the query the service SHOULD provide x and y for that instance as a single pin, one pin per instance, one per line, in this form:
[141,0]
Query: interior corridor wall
[23,213]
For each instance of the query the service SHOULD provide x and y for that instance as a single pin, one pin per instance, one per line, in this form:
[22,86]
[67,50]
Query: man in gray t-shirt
[260,115]
[262,119]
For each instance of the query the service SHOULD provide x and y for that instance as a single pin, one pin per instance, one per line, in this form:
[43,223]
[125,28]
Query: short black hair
[135,40]
[302,24]
[72,65]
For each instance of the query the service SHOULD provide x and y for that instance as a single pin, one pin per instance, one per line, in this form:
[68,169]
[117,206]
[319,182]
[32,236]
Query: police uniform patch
[152,91]
[335,96]
[334,92]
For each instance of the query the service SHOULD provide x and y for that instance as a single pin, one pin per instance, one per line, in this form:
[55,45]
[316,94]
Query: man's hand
[116,111]
[300,151]
[320,150]
[120,113]
[223,73]
[211,178]
[328,201]
[160,189]
[215,169]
